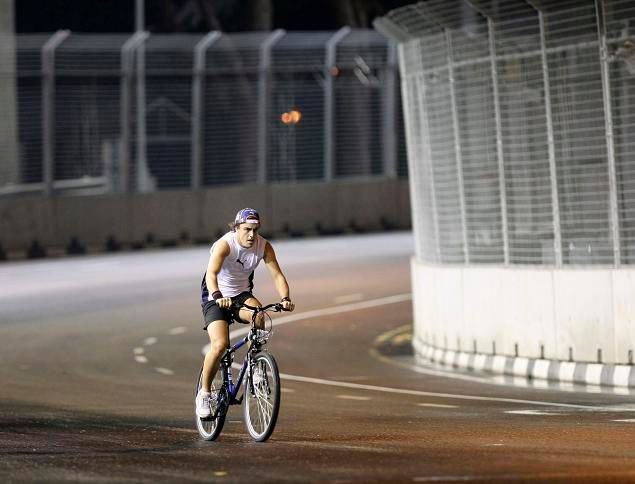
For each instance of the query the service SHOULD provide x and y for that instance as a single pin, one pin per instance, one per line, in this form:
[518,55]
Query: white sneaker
[204,402]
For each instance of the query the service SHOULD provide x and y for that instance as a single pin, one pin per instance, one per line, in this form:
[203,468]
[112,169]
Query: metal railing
[136,113]
[519,115]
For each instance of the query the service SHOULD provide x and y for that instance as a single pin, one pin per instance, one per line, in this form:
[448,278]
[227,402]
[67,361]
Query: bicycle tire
[210,429]
[262,406]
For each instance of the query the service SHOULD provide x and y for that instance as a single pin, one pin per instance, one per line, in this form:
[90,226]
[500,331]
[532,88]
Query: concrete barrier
[169,216]
[565,314]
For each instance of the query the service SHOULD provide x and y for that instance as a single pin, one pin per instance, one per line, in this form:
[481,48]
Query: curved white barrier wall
[582,315]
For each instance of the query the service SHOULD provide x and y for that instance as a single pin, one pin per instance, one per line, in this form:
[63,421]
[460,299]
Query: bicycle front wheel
[210,428]
[262,397]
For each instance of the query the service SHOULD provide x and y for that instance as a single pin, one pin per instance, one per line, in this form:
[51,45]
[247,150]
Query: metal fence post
[457,146]
[499,141]
[145,182]
[553,172]
[429,162]
[264,88]
[198,98]
[389,115]
[608,124]
[125,110]
[329,102]
[48,108]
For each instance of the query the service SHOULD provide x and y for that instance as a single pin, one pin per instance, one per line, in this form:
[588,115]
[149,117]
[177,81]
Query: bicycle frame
[234,388]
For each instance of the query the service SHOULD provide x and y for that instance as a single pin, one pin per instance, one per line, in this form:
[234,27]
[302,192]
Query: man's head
[246,225]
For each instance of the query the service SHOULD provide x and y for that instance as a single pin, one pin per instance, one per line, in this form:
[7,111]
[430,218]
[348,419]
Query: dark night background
[198,15]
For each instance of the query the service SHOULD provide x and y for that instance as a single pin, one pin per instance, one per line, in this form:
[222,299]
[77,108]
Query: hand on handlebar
[224,302]
[287,305]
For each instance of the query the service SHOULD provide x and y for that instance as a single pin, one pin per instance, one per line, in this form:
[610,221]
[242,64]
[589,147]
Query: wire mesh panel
[402,152]
[117,109]
[29,106]
[579,132]
[438,109]
[621,61]
[86,103]
[231,109]
[524,134]
[9,151]
[360,55]
[423,197]
[477,133]
[541,92]
[296,116]
[168,108]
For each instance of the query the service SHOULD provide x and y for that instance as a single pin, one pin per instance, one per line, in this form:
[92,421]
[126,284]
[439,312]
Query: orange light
[285,118]
[296,116]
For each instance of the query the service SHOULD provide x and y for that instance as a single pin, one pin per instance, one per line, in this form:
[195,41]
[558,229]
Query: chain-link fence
[126,113]
[518,120]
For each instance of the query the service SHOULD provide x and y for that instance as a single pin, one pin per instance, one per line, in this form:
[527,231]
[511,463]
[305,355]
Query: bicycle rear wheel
[262,397]
[210,428]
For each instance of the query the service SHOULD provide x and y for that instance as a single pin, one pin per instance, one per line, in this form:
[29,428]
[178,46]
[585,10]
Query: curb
[531,368]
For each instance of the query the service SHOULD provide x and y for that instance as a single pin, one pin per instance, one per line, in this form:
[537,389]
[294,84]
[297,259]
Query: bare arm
[216,259]
[278,277]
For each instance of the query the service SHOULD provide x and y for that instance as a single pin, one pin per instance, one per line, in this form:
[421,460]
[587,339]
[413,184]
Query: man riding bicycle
[228,282]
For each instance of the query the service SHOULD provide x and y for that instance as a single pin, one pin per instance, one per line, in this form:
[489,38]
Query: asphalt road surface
[99,356]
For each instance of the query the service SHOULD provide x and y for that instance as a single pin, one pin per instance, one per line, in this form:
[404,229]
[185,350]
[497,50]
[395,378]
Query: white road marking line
[316,313]
[287,390]
[625,406]
[531,412]
[380,302]
[350,378]
[150,341]
[323,444]
[141,359]
[437,405]
[164,371]
[628,420]
[353,397]
[404,391]
[177,330]
[463,478]
[349,298]
[138,351]
[568,476]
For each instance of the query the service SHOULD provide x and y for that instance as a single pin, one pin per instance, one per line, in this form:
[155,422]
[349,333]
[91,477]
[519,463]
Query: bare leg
[246,314]
[219,341]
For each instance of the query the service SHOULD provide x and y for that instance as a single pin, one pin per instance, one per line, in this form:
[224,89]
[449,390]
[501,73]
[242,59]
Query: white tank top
[235,275]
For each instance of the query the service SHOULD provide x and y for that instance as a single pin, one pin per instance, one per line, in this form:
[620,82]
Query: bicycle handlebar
[277,307]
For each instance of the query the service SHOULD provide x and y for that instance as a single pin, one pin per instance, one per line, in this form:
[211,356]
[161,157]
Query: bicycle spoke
[261,411]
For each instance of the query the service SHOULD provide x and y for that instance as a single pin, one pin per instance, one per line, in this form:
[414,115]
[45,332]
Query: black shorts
[211,312]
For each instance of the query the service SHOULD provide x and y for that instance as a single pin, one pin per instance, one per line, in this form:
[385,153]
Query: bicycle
[262,390]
